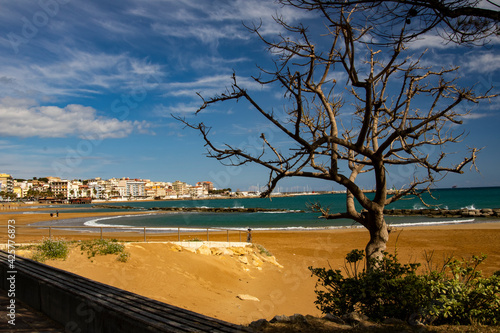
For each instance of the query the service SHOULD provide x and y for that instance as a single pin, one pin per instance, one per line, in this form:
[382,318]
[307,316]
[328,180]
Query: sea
[296,213]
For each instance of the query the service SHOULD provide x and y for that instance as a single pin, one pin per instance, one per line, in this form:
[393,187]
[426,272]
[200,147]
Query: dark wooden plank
[147,319]
[174,320]
[187,317]
[148,309]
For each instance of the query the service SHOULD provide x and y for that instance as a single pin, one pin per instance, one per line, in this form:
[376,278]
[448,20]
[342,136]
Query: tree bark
[379,235]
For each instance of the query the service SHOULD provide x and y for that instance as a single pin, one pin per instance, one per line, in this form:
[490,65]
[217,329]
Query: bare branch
[457,21]
[399,111]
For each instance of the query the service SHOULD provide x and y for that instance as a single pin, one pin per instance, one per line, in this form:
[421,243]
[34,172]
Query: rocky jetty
[486,212]
[201,209]
[114,207]
[217,209]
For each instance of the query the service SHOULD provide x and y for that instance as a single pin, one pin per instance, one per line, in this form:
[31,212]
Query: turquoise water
[297,215]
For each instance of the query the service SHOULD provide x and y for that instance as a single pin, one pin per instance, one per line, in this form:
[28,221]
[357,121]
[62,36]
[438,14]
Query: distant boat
[454,186]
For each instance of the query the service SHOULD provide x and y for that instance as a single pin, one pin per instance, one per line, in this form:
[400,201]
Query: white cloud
[217,64]
[176,109]
[77,72]
[204,32]
[24,118]
[209,86]
[472,116]
[210,21]
[431,41]
[5,145]
[483,62]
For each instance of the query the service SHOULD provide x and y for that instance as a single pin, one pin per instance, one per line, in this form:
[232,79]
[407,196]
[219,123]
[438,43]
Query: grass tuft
[51,249]
[103,247]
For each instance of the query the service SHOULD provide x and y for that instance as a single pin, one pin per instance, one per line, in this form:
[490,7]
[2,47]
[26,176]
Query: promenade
[27,320]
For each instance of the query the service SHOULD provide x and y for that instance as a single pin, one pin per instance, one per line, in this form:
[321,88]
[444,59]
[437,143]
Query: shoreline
[210,284]
[75,224]
[81,221]
[37,223]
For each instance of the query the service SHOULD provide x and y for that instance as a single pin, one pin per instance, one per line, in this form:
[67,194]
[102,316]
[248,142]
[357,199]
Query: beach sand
[210,284]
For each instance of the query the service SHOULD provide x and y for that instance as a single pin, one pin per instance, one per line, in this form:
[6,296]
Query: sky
[88,89]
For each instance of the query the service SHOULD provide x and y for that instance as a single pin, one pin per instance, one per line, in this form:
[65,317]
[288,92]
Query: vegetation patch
[123,256]
[196,239]
[51,249]
[455,294]
[263,250]
[104,247]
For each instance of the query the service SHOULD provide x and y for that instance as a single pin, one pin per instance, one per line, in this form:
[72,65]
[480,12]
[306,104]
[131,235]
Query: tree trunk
[378,237]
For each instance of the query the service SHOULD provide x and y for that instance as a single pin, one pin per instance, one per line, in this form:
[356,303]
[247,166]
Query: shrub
[102,247]
[123,256]
[390,290]
[457,294]
[51,249]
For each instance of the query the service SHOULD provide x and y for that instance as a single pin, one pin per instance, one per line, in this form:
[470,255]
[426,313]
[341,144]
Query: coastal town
[55,189]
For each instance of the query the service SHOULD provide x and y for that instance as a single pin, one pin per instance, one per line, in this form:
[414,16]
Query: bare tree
[458,21]
[387,112]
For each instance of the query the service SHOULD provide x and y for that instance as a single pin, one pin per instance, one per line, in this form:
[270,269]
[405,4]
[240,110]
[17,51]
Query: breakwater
[218,209]
[204,209]
[486,212]
[464,212]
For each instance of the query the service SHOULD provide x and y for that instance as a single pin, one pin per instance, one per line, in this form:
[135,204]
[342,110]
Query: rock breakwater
[202,209]
[486,212]
[218,209]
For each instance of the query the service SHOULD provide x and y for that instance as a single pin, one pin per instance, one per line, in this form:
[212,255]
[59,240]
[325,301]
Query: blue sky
[87,89]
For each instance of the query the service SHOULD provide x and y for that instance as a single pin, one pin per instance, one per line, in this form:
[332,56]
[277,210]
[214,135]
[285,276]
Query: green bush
[102,247]
[123,257]
[457,294]
[51,249]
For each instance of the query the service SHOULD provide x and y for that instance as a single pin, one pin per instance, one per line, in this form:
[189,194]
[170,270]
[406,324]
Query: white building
[198,191]
[134,188]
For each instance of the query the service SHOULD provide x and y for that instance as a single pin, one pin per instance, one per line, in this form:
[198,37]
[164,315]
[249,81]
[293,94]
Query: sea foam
[96,222]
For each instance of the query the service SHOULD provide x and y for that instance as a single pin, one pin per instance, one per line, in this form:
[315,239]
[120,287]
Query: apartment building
[99,188]
[156,191]
[208,186]
[60,188]
[198,191]
[135,188]
[6,183]
[180,188]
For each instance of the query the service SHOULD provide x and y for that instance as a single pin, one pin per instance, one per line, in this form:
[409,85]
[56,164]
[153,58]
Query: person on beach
[249,235]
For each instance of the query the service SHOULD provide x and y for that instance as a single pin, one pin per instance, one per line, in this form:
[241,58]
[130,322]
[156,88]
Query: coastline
[71,224]
[210,284]
[84,221]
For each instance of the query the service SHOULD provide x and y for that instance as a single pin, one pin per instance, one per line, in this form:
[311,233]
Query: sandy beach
[211,284]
